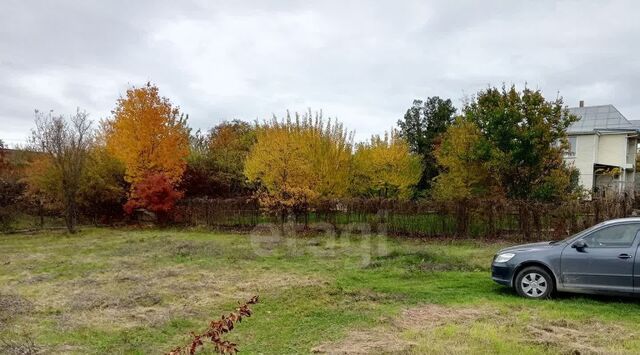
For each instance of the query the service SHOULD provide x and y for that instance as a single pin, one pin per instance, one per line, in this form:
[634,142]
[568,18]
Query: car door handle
[624,256]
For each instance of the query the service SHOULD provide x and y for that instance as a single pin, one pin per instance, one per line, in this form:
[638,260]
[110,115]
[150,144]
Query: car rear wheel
[534,282]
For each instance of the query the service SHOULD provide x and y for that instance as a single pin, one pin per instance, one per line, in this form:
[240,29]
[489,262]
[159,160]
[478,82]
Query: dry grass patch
[422,324]
[387,340]
[130,293]
[92,300]
[578,338]
[20,345]
[432,316]
[12,306]
[375,341]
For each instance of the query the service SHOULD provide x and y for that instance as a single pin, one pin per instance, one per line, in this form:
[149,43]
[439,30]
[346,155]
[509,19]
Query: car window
[581,233]
[613,236]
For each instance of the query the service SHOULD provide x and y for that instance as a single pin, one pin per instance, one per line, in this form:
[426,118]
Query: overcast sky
[362,62]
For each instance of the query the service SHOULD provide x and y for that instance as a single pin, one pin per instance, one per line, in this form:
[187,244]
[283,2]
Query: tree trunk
[462,220]
[70,214]
[41,213]
[491,220]
[283,215]
[525,225]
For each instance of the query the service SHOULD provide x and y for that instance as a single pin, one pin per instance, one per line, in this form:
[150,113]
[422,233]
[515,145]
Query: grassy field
[129,291]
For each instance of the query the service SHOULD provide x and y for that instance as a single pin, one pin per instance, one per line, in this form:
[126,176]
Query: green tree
[215,166]
[103,190]
[522,130]
[421,127]
[466,174]
[465,169]
[385,167]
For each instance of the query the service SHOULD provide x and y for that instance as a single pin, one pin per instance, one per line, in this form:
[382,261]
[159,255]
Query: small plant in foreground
[215,331]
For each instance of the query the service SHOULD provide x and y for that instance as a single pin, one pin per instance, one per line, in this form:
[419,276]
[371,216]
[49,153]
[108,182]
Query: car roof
[621,220]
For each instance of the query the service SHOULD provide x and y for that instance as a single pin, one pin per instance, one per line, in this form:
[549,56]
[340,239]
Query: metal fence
[423,218]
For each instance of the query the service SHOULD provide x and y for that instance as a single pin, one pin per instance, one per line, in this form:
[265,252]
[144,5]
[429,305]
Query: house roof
[600,118]
[635,123]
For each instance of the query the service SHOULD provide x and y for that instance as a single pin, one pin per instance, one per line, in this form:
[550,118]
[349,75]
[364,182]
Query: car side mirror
[579,245]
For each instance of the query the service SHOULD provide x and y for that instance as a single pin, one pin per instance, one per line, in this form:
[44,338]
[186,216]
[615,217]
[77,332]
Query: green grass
[129,291]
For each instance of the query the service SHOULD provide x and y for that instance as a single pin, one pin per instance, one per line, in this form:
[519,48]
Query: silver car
[598,260]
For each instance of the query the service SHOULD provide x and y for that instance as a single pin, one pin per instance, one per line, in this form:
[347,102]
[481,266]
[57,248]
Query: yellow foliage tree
[465,171]
[385,167]
[148,134]
[297,160]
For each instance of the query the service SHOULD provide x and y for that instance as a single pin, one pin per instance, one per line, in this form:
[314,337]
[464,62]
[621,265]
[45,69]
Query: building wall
[607,149]
[632,151]
[612,150]
[586,155]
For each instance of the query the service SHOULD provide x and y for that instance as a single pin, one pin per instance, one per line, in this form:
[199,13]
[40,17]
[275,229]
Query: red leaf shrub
[154,193]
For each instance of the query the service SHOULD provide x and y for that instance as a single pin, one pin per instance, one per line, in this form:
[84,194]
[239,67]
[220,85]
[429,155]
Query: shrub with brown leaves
[215,331]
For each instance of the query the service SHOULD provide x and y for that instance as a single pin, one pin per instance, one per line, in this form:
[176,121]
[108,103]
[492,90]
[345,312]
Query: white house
[603,148]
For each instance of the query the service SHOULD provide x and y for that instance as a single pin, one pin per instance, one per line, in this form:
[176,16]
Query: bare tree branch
[67,144]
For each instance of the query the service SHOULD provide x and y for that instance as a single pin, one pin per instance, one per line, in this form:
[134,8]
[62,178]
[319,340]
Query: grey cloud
[361,61]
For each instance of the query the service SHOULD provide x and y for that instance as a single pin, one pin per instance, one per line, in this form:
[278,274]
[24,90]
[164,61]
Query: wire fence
[523,220]
[424,218]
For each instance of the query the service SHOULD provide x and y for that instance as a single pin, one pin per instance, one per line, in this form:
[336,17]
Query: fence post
[462,219]
[525,226]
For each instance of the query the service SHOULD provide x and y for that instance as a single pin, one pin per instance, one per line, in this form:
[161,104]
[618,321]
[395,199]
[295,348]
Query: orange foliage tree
[148,134]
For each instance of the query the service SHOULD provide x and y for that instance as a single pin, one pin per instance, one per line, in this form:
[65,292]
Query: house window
[572,146]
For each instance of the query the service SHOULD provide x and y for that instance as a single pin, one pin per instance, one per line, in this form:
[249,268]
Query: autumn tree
[103,190]
[6,167]
[66,145]
[11,188]
[101,193]
[148,134]
[385,167]
[299,159]
[463,160]
[421,127]
[522,130]
[4,160]
[465,171]
[215,166]
[155,193]
[43,192]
